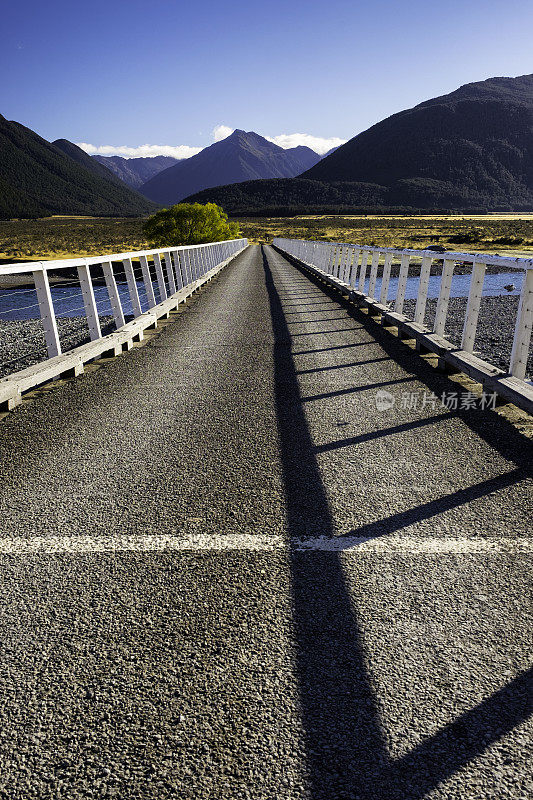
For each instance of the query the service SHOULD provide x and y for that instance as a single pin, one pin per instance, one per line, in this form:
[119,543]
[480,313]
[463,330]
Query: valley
[63,236]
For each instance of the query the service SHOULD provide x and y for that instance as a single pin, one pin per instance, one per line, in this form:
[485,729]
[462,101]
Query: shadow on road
[346,750]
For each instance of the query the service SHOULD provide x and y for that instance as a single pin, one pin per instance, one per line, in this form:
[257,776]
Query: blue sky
[167,73]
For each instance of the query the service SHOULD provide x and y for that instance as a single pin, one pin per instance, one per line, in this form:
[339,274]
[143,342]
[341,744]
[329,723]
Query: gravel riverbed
[495,329]
[22,341]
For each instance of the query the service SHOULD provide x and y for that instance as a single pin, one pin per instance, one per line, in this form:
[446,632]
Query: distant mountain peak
[241,156]
[136,171]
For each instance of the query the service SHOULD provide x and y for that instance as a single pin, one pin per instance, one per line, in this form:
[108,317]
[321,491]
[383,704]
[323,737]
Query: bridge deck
[245,660]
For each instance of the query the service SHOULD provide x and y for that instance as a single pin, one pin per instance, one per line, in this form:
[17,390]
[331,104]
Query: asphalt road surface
[231,569]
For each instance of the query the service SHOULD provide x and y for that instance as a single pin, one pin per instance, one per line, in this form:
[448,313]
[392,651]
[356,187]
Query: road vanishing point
[241,561]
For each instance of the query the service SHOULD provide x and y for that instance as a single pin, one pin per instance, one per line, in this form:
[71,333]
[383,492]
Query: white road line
[351,545]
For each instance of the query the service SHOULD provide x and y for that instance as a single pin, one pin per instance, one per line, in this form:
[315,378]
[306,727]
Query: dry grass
[492,233]
[61,237]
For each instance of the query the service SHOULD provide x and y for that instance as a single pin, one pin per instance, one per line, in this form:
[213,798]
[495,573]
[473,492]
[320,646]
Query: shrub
[189,223]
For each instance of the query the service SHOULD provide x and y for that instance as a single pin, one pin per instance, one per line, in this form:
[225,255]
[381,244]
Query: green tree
[189,223]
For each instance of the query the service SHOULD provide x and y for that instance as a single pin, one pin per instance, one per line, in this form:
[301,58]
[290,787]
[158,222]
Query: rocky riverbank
[495,329]
[22,341]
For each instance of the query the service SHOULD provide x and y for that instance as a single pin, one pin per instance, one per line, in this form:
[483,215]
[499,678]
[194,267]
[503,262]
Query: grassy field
[491,233]
[60,237]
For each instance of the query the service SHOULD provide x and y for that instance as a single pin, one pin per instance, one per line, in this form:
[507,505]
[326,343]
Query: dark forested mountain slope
[39,179]
[476,143]
[84,160]
[136,171]
[240,157]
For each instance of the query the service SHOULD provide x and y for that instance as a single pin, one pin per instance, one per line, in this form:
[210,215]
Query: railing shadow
[343,738]
[346,751]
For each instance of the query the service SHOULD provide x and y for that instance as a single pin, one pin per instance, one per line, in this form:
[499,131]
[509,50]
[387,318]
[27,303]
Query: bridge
[251,548]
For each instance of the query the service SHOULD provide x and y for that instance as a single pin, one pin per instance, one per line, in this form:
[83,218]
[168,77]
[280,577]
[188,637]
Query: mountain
[39,179]
[472,146]
[240,157]
[470,149]
[80,156]
[136,171]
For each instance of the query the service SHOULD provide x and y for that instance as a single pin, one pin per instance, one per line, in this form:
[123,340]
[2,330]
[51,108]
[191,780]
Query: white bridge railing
[141,285]
[356,269]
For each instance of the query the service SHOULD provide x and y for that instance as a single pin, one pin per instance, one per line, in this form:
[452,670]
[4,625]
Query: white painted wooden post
[384,293]
[334,262]
[522,334]
[473,305]
[423,287]
[160,277]
[340,264]
[355,267]
[209,257]
[373,273]
[132,287]
[112,290]
[192,264]
[178,269]
[46,310]
[444,296]
[91,311]
[147,280]
[346,261]
[402,283]
[362,274]
[169,269]
[186,267]
[202,258]
[200,255]
[331,260]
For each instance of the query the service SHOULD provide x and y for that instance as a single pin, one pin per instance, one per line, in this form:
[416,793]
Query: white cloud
[317,143]
[142,151]
[286,140]
[221,132]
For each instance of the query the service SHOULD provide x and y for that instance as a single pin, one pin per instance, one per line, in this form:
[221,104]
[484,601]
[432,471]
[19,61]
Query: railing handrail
[348,264]
[81,261]
[175,269]
[486,258]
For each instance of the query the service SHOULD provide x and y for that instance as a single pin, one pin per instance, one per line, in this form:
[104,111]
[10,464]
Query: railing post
[384,293]
[444,296]
[170,272]
[354,272]
[178,270]
[423,287]
[373,273]
[112,290]
[364,265]
[132,287]
[347,265]
[522,333]
[46,310]
[473,305]
[160,277]
[402,283]
[186,265]
[91,311]
[147,280]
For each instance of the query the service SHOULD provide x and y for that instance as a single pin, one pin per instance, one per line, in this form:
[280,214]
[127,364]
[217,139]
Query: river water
[19,304]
